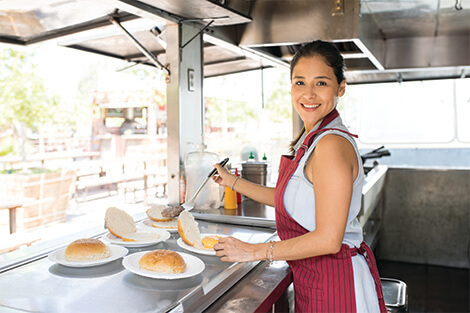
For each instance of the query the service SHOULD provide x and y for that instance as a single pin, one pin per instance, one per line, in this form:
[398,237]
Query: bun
[155,214]
[141,236]
[189,230]
[83,250]
[163,261]
[209,241]
[173,224]
[119,223]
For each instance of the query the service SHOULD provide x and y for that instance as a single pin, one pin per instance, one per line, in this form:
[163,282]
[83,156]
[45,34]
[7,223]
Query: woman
[317,198]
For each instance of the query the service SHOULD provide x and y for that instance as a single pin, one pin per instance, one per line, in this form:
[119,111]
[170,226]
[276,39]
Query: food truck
[412,214]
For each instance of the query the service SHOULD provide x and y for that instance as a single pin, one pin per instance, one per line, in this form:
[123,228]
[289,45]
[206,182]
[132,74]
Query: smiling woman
[317,199]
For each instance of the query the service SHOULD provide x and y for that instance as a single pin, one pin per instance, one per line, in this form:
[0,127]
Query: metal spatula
[189,205]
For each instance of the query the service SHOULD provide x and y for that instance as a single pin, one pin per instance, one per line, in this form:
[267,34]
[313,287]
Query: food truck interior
[416,217]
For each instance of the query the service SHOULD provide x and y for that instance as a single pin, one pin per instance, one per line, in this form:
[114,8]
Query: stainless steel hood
[381,40]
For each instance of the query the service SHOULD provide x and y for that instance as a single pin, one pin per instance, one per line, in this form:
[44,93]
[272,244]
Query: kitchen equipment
[197,164]
[255,172]
[374,154]
[395,295]
[189,204]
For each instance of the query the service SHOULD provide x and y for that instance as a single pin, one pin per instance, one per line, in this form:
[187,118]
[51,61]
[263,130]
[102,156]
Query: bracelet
[234,182]
[269,253]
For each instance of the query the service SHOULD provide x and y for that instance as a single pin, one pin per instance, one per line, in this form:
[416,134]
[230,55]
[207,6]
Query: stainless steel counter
[248,213]
[43,286]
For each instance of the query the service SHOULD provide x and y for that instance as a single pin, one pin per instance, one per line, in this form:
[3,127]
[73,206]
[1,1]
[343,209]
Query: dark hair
[332,58]
[328,51]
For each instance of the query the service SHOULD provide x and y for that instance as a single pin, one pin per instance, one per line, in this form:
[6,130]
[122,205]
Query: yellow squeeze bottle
[230,200]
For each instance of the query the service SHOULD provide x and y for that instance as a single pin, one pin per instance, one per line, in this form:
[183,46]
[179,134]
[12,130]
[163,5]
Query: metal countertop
[248,213]
[43,286]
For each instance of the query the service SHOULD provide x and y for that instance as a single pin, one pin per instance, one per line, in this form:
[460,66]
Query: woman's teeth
[312,106]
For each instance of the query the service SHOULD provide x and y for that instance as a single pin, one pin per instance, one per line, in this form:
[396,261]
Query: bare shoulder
[332,143]
[332,153]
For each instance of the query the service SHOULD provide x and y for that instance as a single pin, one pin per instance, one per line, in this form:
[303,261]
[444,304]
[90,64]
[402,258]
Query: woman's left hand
[233,250]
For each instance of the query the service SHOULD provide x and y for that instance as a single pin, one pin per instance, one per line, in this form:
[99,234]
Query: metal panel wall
[427,217]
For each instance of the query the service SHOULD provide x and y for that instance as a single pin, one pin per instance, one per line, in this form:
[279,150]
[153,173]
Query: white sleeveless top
[299,201]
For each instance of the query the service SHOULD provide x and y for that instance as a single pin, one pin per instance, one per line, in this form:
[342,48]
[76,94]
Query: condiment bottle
[239,195]
[230,199]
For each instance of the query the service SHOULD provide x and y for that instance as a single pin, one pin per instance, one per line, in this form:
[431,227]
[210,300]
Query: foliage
[157,78]
[23,97]
[217,110]
[27,171]
[278,105]
[6,146]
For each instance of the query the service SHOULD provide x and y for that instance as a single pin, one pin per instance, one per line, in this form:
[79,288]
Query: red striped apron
[324,283]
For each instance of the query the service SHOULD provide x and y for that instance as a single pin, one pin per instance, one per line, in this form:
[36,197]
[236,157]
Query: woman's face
[314,90]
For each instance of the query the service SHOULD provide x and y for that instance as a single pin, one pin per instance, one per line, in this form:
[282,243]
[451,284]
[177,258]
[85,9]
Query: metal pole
[139,46]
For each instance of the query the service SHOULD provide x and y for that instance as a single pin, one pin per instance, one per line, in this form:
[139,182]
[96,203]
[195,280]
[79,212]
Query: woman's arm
[259,193]
[332,169]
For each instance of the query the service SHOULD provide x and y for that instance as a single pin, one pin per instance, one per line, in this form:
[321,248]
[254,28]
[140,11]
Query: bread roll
[83,250]
[141,236]
[119,223]
[173,224]
[155,214]
[189,230]
[209,241]
[163,261]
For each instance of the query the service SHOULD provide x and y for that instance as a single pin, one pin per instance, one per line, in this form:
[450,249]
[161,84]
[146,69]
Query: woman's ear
[342,88]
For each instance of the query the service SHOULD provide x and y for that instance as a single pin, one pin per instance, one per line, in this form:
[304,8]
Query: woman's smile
[310,106]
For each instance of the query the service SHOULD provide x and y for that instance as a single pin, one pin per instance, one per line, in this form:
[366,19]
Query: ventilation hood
[381,40]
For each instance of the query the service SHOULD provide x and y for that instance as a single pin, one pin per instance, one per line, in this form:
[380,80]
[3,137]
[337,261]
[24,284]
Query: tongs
[189,205]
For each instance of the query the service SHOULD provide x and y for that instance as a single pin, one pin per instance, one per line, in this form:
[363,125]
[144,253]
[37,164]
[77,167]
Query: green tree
[279,103]
[24,101]
[23,97]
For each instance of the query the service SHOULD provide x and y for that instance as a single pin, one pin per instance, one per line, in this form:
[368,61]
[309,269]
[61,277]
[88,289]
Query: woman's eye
[299,83]
[321,83]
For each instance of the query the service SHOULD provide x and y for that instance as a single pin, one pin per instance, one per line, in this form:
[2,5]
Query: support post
[184,100]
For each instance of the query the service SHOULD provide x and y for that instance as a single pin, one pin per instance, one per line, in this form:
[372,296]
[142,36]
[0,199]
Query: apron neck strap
[309,139]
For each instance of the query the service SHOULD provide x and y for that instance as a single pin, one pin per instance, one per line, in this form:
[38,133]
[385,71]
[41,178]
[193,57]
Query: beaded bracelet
[269,253]
[234,182]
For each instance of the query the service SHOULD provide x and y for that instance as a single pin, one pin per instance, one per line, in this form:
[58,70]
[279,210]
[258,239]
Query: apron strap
[368,255]
[309,139]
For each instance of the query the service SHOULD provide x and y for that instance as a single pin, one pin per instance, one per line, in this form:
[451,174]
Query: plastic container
[198,165]
[239,195]
[230,199]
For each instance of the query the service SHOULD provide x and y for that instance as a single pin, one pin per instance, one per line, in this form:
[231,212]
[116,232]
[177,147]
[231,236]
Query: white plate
[148,224]
[116,252]
[163,236]
[194,266]
[184,245]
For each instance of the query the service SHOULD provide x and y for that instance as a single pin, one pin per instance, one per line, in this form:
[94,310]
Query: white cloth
[299,201]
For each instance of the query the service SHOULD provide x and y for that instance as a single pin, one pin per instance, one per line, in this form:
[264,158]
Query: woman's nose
[311,92]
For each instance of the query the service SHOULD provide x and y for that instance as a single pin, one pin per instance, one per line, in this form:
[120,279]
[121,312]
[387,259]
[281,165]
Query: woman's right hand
[223,176]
